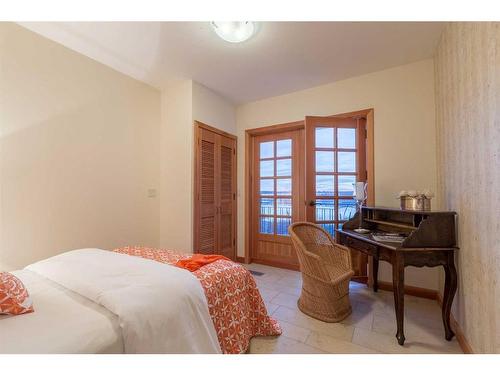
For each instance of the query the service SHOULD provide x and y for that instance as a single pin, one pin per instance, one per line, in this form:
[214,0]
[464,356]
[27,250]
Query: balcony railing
[347,208]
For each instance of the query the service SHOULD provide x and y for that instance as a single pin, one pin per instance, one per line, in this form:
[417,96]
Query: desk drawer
[360,245]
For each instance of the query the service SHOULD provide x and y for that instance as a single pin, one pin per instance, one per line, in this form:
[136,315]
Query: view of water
[325,211]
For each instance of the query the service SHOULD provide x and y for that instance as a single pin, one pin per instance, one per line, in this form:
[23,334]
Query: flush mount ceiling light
[234,32]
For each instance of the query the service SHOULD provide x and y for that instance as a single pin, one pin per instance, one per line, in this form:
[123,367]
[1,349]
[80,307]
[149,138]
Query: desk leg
[450,288]
[375,273]
[398,284]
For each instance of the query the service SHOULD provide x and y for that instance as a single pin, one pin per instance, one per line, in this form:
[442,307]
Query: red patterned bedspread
[234,302]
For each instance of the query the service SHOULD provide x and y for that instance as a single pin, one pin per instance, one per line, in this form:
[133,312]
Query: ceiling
[282,56]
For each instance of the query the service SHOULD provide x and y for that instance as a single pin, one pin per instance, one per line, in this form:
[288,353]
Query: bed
[133,300]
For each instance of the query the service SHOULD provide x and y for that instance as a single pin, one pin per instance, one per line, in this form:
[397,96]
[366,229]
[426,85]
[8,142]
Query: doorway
[305,171]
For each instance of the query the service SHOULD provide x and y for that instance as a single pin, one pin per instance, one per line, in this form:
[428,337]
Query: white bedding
[63,322]
[154,307]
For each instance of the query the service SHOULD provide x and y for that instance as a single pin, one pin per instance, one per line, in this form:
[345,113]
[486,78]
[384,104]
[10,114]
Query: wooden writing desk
[430,242]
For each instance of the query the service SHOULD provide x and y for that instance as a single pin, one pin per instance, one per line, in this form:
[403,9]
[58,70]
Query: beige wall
[467,67]
[405,154]
[79,149]
[176,187]
[82,145]
[212,109]
[183,103]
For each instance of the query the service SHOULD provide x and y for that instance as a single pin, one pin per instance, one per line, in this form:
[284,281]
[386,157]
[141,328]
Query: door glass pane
[267,187]
[325,161]
[266,150]
[284,147]
[284,206]
[346,138]
[325,185]
[330,228]
[266,206]
[284,186]
[325,210]
[284,167]
[324,137]
[282,225]
[267,168]
[347,208]
[346,187]
[266,224]
[347,161]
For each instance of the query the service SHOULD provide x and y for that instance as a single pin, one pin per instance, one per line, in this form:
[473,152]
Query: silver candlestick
[360,189]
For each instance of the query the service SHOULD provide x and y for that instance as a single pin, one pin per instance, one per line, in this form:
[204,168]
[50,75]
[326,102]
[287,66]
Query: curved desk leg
[450,288]
[398,284]
[375,273]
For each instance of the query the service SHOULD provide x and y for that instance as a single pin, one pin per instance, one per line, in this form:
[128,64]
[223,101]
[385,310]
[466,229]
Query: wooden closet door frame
[198,126]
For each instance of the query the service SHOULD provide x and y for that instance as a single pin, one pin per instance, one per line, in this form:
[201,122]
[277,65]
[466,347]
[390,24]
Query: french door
[277,196]
[335,159]
[303,174]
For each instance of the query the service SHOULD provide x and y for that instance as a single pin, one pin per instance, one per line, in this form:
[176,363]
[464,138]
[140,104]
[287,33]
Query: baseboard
[459,334]
[411,290]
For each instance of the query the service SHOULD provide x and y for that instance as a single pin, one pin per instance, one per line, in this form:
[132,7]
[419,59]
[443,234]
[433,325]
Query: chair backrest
[309,238]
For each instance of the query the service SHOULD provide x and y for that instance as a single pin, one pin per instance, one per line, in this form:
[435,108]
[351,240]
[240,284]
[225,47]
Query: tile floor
[370,328]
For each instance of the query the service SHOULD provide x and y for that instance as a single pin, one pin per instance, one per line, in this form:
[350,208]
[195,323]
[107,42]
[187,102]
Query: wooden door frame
[249,139]
[198,126]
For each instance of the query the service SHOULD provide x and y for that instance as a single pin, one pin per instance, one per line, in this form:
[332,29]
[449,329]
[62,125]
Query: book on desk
[416,238]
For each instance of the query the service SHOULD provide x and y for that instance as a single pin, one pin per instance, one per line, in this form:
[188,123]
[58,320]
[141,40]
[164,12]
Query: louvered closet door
[215,203]
[206,239]
[227,197]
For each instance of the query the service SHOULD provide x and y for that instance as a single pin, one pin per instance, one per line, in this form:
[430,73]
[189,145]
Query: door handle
[312,203]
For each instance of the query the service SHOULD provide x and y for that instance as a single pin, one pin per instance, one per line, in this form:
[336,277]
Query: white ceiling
[282,56]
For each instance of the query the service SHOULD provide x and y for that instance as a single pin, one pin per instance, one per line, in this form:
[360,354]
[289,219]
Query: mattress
[63,322]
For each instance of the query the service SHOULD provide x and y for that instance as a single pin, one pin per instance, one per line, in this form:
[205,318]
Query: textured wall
[467,74]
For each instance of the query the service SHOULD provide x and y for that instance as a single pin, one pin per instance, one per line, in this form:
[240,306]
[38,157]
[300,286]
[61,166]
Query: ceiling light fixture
[234,32]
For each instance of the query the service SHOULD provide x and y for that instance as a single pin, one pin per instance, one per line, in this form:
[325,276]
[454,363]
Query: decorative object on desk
[416,200]
[360,196]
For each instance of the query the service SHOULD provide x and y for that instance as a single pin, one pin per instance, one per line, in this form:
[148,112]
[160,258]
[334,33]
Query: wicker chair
[326,271]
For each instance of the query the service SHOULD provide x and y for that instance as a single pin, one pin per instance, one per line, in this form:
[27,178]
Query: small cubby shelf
[392,224]
[431,229]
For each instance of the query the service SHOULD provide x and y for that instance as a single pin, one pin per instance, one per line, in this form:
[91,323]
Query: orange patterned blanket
[234,302]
